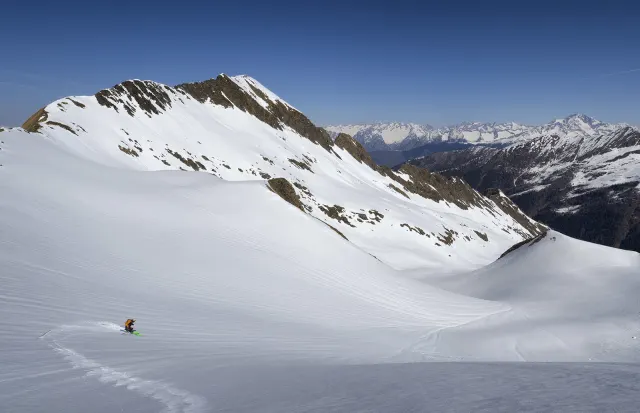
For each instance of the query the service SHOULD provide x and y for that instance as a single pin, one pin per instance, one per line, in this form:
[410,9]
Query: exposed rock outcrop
[286,191]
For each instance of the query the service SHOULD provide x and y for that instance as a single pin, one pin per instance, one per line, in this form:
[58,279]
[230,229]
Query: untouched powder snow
[571,301]
[246,304]
[217,273]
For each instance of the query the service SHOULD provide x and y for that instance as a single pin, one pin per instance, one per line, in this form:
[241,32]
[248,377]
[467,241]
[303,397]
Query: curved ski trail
[174,399]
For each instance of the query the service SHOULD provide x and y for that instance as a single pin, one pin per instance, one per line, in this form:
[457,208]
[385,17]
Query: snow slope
[234,145]
[571,300]
[216,272]
[247,304]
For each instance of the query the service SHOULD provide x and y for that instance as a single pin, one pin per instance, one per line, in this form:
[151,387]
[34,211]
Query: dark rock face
[511,209]
[521,244]
[550,179]
[62,125]
[286,191]
[153,98]
[423,183]
[34,123]
[354,148]
[224,91]
[437,187]
[146,98]
[441,188]
[601,218]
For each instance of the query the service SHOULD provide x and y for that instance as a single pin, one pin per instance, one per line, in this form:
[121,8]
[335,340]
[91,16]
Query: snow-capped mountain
[238,130]
[261,261]
[477,132]
[584,184]
[381,136]
[407,138]
[576,125]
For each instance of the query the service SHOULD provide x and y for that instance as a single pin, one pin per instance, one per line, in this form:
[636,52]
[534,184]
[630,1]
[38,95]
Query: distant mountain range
[582,178]
[407,136]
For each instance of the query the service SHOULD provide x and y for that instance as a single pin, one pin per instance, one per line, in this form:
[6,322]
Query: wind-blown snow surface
[246,304]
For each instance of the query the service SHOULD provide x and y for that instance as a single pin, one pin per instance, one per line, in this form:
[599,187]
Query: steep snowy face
[237,130]
[585,185]
[258,92]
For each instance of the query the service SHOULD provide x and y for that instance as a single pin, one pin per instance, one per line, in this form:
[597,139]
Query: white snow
[597,161]
[573,297]
[247,304]
[221,272]
[615,167]
[391,133]
[237,146]
[397,135]
[248,84]
[535,188]
[348,129]
[568,210]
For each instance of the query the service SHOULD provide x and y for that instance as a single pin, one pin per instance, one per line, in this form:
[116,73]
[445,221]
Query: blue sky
[338,61]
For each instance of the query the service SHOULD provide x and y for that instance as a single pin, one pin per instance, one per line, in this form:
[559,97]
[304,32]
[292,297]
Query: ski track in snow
[176,400]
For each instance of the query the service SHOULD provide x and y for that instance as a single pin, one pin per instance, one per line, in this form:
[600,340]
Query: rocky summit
[410,137]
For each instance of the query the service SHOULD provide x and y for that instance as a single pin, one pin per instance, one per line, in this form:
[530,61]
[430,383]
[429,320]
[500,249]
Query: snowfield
[247,304]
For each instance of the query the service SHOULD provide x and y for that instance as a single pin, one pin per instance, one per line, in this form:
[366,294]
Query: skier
[128,325]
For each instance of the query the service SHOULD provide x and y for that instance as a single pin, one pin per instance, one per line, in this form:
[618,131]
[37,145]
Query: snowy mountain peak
[259,92]
[578,123]
[575,125]
[238,130]
[579,117]
[382,135]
